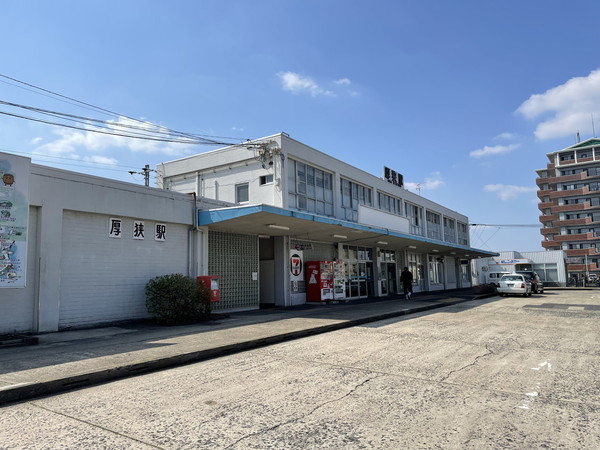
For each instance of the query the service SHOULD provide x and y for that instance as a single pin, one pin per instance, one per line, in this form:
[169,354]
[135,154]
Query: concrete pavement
[78,358]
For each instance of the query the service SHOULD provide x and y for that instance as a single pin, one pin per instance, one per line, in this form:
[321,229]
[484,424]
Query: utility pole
[146,172]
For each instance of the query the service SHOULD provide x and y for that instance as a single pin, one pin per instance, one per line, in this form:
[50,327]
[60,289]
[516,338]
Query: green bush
[177,299]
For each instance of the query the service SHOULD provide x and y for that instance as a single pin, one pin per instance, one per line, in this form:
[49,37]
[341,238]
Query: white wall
[17,306]
[85,276]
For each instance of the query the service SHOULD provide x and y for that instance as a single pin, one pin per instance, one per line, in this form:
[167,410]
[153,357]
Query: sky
[464,98]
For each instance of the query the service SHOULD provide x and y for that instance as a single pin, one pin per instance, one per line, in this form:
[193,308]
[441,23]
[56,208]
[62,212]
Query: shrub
[177,299]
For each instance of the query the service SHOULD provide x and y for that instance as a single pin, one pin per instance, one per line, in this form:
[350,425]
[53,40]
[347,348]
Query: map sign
[14,216]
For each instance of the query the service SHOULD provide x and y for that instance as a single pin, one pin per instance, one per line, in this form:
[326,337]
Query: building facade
[569,194]
[549,265]
[90,245]
[304,205]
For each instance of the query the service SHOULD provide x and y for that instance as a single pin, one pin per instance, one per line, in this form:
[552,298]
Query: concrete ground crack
[296,419]
[488,353]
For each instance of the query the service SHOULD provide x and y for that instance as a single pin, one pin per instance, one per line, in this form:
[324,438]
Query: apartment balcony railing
[570,192]
[548,218]
[562,178]
[573,207]
[541,193]
[551,245]
[573,222]
[550,231]
[575,237]
[583,268]
[545,205]
[581,252]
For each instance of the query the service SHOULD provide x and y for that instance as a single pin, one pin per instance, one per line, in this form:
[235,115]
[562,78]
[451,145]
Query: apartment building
[569,193]
[288,203]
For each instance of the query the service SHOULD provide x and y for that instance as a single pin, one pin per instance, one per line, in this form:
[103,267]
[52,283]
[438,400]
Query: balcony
[581,252]
[546,205]
[563,178]
[570,192]
[548,218]
[573,222]
[574,207]
[551,245]
[583,268]
[550,231]
[575,237]
[541,193]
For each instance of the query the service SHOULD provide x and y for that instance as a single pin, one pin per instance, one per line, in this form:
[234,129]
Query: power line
[174,136]
[505,225]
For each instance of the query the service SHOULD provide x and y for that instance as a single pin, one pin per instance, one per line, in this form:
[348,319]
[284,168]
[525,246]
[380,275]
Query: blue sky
[464,98]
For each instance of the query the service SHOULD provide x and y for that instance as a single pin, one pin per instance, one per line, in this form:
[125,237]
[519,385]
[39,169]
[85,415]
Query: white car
[514,283]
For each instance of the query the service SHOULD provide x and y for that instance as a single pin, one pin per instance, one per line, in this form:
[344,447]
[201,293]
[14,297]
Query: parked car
[515,283]
[537,286]
[494,277]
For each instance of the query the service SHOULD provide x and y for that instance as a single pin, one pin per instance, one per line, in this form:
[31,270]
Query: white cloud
[101,160]
[298,84]
[494,150]
[432,182]
[70,141]
[571,105]
[505,137]
[508,191]
[343,82]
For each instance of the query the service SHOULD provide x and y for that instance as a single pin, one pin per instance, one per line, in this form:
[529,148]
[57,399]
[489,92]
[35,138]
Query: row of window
[311,189]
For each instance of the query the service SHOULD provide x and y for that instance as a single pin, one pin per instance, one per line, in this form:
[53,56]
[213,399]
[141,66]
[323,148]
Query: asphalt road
[495,373]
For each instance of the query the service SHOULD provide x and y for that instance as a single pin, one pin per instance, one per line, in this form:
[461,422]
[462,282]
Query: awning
[267,220]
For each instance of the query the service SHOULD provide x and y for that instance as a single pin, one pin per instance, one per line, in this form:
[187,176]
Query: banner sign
[14,217]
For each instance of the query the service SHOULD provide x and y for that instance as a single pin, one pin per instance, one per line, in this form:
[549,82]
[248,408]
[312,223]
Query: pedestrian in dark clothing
[406,278]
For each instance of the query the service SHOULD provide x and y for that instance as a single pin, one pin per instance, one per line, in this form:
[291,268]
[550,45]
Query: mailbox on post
[212,283]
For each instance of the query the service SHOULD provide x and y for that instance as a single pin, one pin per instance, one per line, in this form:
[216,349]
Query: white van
[494,277]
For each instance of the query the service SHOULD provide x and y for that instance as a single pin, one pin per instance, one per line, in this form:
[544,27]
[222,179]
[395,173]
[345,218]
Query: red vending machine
[319,281]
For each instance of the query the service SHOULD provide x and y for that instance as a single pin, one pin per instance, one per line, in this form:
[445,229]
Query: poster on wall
[14,217]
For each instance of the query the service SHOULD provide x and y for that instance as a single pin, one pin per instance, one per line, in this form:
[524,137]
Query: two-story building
[288,204]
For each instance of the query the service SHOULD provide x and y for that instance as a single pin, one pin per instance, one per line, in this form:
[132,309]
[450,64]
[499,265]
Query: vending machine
[319,281]
[339,280]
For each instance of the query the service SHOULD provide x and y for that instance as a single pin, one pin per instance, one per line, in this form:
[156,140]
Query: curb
[26,391]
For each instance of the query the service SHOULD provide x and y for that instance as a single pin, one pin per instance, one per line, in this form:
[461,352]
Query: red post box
[212,283]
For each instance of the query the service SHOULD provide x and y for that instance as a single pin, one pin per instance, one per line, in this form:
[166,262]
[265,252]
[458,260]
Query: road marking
[540,365]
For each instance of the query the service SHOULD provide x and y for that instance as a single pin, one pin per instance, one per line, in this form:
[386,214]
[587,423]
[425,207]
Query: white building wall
[17,306]
[214,175]
[103,278]
[76,273]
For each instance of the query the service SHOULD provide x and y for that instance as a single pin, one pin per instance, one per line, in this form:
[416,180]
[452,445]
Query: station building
[288,202]
[77,250]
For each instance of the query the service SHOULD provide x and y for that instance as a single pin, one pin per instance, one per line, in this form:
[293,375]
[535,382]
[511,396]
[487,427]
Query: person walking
[406,278]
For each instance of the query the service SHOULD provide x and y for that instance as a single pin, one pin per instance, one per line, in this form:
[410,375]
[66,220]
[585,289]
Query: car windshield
[512,278]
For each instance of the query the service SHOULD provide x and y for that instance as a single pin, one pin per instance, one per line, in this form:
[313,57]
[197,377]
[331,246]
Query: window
[435,270]
[449,230]
[241,193]
[354,194]
[310,189]
[463,234]
[390,204]
[434,225]
[414,214]
[265,179]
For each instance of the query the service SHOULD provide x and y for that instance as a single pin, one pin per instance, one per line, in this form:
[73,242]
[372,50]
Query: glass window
[309,188]
[414,214]
[353,194]
[241,193]
[434,225]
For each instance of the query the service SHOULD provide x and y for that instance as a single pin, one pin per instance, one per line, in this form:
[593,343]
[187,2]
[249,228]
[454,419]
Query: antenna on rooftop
[577,138]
